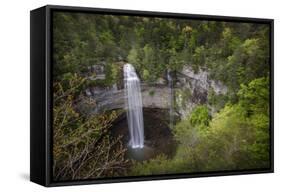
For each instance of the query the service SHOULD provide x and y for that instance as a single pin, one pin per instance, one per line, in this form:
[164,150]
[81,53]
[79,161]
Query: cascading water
[171,97]
[133,100]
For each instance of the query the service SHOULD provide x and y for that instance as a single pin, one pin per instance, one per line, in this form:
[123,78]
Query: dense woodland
[236,137]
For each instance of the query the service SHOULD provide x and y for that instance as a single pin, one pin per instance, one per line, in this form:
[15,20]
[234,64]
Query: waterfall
[171,98]
[133,100]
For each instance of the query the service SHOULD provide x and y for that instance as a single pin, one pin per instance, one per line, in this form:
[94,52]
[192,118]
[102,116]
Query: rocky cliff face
[189,89]
[192,88]
[109,98]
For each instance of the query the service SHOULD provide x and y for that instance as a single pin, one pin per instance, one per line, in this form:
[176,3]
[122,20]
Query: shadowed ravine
[158,137]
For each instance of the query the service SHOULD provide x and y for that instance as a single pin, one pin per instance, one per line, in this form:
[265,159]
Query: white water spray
[133,100]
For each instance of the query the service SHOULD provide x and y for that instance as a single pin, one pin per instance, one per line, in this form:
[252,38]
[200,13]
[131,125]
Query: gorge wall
[190,89]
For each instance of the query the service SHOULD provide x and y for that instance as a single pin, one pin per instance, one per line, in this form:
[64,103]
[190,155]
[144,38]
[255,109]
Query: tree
[82,147]
[200,116]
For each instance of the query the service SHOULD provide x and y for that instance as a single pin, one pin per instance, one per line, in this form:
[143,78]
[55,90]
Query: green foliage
[217,101]
[233,53]
[199,55]
[185,133]
[233,140]
[158,165]
[133,56]
[200,116]
[145,75]
[254,97]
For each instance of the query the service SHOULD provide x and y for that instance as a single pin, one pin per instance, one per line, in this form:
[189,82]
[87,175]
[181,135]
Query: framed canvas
[122,95]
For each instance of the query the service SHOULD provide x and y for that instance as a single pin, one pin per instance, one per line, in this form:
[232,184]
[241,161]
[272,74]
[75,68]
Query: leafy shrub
[200,116]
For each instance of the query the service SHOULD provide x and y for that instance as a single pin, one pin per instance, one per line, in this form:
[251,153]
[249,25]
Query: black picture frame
[41,93]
